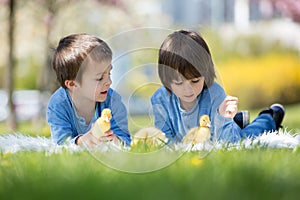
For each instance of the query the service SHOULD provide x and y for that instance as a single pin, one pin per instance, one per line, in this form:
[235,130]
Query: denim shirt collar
[80,122]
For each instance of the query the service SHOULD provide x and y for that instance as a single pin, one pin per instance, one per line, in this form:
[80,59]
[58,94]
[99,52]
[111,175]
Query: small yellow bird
[199,134]
[149,136]
[102,124]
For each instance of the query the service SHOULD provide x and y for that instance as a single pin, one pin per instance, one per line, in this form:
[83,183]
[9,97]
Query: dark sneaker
[278,114]
[277,111]
[242,118]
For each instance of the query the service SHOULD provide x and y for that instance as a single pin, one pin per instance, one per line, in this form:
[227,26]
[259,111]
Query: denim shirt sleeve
[223,129]
[59,118]
[160,112]
[119,122]
[161,120]
[227,130]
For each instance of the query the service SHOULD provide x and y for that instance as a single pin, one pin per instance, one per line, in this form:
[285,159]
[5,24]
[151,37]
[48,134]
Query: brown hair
[185,53]
[73,53]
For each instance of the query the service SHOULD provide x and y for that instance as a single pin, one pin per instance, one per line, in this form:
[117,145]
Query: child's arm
[119,121]
[161,115]
[161,120]
[60,126]
[223,110]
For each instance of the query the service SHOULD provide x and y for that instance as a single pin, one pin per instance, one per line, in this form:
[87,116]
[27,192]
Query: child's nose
[108,82]
[187,86]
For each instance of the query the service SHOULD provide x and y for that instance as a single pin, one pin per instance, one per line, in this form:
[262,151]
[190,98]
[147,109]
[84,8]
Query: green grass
[262,173]
[243,174]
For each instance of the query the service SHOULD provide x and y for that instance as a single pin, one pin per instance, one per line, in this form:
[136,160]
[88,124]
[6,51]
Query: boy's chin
[101,99]
[189,100]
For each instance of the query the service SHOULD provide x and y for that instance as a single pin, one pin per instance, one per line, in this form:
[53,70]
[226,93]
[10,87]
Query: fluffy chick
[102,124]
[150,136]
[199,134]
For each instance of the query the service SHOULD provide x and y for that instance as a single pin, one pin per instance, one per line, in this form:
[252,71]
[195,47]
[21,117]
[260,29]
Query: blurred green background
[253,43]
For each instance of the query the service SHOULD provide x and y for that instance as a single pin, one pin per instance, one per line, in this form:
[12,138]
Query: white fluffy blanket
[19,142]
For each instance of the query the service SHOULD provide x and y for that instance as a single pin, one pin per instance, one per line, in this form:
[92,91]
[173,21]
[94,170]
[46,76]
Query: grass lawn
[259,173]
[237,174]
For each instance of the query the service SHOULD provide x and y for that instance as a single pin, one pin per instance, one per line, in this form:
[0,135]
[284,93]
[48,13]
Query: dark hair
[185,53]
[73,54]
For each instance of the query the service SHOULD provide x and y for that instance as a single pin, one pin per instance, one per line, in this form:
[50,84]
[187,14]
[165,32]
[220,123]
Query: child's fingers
[108,136]
[231,110]
[228,107]
[108,133]
[111,138]
[230,100]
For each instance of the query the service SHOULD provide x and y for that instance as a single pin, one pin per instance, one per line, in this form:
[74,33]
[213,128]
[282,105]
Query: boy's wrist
[78,140]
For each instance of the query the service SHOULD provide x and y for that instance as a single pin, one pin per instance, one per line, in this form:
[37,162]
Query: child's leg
[269,119]
[264,122]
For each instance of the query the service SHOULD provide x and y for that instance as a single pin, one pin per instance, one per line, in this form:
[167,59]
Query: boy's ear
[70,84]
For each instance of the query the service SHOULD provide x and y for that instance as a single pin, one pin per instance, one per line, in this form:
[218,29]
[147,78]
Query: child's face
[96,81]
[187,90]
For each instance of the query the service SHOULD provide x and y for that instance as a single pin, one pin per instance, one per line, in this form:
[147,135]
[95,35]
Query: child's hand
[108,136]
[87,139]
[228,107]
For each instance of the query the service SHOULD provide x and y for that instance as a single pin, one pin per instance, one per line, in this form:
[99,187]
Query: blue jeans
[262,123]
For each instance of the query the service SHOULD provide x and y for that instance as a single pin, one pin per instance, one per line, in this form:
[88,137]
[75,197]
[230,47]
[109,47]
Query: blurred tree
[9,81]
[289,8]
[53,7]
[47,74]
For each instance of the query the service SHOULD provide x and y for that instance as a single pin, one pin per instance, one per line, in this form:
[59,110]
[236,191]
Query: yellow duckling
[199,134]
[150,136]
[102,124]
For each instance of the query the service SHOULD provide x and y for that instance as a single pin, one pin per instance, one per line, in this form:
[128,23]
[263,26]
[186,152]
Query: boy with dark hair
[189,90]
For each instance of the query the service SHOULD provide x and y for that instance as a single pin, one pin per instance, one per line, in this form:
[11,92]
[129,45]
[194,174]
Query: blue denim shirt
[65,124]
[175,122]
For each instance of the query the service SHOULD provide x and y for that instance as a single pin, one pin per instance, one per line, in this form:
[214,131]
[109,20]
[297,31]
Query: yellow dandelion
[196,161]
[7,154]
[46,131]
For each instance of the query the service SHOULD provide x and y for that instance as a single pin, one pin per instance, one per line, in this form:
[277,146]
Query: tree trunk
[47,80]
[11,121]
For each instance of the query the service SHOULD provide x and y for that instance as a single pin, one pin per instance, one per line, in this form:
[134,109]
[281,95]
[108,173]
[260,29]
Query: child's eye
[104,75]
[178,82]
[195,80]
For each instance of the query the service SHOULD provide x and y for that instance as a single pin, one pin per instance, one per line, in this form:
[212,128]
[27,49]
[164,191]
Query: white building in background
[216,12]
[241,16]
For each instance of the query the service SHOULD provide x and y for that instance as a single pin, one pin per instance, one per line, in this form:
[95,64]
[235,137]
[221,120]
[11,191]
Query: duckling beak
[208,124]
[106,119]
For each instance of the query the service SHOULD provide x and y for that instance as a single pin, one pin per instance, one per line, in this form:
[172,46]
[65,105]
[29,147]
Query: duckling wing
[202,135]
[190,135]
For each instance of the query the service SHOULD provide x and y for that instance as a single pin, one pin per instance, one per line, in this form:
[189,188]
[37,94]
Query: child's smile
[189,96]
